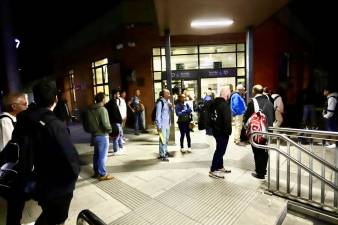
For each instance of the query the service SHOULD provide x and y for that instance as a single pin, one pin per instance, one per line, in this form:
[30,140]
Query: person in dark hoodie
[115,119]
[55,159]
[221,127]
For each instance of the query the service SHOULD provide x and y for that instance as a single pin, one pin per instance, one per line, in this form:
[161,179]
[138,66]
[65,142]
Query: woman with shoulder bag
[183,112]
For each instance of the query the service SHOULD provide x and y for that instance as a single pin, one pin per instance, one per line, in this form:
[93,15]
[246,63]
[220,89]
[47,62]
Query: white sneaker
[119,152]
[189,150]
[182,150]
[331,146]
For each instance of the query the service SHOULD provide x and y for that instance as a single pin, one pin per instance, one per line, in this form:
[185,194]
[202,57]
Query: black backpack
[153,113]
[205,115]
[17,159]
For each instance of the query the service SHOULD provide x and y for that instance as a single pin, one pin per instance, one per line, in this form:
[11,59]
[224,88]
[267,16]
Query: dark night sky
[43,25]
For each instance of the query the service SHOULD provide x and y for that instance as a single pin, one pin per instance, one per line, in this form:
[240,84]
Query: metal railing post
[277,164]
[311,168]
[288,170]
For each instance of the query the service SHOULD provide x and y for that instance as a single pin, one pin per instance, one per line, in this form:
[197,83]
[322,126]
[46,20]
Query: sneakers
[223,170]
[182,150]
[164,159]
[239,143]
[189,150]
[216,174]
[105,177]
[119,152]
[255,175]
[331,146]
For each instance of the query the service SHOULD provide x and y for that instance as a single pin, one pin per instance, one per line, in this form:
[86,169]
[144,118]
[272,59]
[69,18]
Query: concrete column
[9,49]
[169,83]
[249,62]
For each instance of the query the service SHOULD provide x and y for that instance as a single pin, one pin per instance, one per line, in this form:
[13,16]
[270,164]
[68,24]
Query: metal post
[169,85]
[249,61]
[288,170]
[322,186]
[10,54]
[299,173]
[311,168]
[336,178]
[277,164]
[269,164]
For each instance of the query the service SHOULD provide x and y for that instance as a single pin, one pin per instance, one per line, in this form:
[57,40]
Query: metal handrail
[304,131]
[267,147]
[89,217]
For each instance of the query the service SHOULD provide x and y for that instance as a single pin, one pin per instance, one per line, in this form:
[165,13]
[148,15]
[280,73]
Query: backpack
[257,122]
[153,113]
[206,115]
[89,121]
[17,159]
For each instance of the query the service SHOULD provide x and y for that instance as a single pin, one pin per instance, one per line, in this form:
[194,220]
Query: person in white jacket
[121,103]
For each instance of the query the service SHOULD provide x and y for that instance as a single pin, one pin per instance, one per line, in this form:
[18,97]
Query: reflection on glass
[156,51]
[164,65]
[240,47]
[188,61]
[240,59]
[156,63]
[226,59]
[100,62]
[98,73]
[216,84]
[157,75]
[217,48]
[106,91]
[241,72]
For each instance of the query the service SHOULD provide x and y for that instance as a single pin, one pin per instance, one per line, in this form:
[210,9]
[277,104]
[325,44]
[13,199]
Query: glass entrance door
[215,85]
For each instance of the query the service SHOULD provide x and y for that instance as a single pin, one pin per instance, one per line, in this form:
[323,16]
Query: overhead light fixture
[211,23]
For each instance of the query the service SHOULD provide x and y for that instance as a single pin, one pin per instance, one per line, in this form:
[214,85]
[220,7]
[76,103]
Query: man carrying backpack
[260,102]
[13,105]
[330,112]
[45,142]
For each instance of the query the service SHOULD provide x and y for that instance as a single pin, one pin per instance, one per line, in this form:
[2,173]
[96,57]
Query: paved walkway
[148,191]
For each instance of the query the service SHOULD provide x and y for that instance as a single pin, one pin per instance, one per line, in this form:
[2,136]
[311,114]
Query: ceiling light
[211,23]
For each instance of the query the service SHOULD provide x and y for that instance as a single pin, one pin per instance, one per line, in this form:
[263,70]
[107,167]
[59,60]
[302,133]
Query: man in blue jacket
[238,108]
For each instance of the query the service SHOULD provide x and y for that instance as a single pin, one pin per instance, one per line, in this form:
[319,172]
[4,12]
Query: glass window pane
[157,75]
[240,47]
[164,64]
[241,81]
[95,91]
[162,51]
[217,48]
[98,73]
[156,51]
[106,90]
[184,50]
[216,84]
[101,62]
[157,89]
[156,63]
[184,62]
[105,74]
[99,89]
[240,59]
[241,72]
[207,61]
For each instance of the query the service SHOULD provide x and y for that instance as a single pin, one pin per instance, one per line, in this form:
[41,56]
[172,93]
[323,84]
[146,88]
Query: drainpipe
[249,62]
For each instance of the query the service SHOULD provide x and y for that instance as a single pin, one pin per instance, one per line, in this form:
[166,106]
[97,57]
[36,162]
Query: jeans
[117,141]
[238,128]
[331,125]
[163,145]
[101,145]
[221,146]
[138,121]
[184,130]
[309,115]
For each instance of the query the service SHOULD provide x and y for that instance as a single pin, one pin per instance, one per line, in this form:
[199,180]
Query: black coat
[265,105]
[113,112]
[55,158]
[222,126]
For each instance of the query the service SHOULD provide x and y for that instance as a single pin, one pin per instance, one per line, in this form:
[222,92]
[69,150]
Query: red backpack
[257,122]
